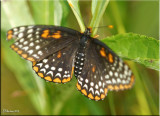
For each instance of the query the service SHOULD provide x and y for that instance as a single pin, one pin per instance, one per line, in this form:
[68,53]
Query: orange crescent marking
[33,63]
[78,86]
[41,75]
[57,80]
[121,86]
[31,59]
[84,92]
[116,88]
[19,51]
[9,36]
[97,98]
[66,80]
[24,55]
[15,49]
[90,96]
[48,78]
[35,68]
[102,96]
[105,91]
[12,46]
[111,87]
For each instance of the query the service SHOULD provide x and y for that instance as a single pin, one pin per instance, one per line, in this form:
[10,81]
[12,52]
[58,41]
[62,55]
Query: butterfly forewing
[34,43]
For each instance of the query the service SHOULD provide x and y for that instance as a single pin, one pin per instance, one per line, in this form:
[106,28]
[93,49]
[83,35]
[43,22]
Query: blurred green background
[24,91]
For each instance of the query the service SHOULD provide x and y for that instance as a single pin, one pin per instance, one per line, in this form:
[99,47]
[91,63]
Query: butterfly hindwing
[117,74]
[34,43]
[57,67]
[103,70]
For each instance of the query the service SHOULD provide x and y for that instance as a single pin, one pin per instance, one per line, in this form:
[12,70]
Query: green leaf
[75,7]
[98,8]
[139,48]
[57,12]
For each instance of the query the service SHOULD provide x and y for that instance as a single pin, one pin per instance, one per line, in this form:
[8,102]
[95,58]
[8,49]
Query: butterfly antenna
[109,26]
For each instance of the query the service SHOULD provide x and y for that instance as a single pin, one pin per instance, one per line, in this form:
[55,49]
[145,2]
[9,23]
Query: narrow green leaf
[57,12]
[139,48]
[94,4]
[66,10]
[98,13]
[75,8]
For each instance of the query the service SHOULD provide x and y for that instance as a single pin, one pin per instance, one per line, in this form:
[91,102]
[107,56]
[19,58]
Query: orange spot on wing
[116,88]
[97,98]
[78,86]
[35,68]
[66,80]
[45,34]
[12,46]
[31,59]
[121,86]
[110,58]
[59,54]
[84,92]
[110,87]
[48,78]
[15,49]
[24,55]
[19,51]
[126,86]
[102,52]
[10,34]
[41,75]
[56,36]
[105,91]
[33,63]
[57,80]
[90,96]
[102,96]
[93,68]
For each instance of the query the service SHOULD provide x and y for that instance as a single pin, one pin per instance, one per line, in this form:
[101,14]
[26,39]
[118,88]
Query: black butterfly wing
[50,48]
[103,70]
[34,43]
[57,67]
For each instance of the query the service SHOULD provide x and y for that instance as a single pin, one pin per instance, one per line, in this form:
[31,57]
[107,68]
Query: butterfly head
[88,31]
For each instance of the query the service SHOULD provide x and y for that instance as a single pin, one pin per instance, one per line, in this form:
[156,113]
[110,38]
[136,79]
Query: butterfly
[57,52]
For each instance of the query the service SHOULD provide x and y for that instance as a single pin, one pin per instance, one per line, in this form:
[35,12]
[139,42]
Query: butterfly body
[58,52]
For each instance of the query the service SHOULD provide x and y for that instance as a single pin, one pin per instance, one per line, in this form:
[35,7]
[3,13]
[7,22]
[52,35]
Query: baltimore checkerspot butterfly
[57,52]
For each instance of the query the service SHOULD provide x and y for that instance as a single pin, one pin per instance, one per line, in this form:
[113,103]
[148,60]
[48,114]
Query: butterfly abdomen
[79,61]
